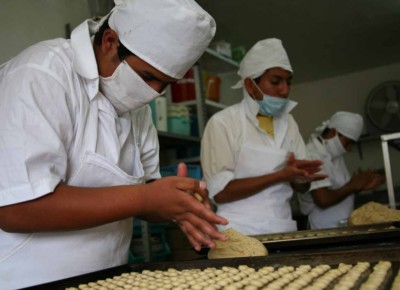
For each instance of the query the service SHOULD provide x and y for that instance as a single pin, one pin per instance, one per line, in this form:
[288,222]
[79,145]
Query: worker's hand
[171,198]
[366,180]
[203,198]
[376,180]
[302,171]
[200,196]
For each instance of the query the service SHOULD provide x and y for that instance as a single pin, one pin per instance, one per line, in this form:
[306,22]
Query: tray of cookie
[352,235]
[356,269]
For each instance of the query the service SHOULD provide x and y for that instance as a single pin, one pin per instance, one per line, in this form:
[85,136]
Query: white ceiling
[324,38]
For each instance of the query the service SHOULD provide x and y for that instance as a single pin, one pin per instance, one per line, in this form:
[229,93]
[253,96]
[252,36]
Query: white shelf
[190,103]
[209,103]
[221,57]
[215,104]
[213,62]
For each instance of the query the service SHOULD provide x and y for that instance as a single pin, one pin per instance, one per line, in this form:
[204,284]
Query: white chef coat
[338,175]
[57,126]
[234,146]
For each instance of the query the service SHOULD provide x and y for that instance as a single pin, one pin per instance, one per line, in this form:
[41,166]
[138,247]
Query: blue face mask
[271,106]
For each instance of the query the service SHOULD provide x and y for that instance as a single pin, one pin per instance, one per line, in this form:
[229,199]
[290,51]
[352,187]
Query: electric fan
[383,107]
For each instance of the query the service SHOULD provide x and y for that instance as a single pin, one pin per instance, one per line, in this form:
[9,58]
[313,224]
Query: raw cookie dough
[373,213]
[237,245]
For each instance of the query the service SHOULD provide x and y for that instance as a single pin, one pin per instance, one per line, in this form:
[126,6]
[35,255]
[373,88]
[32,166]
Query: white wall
[25,22]
[228,95]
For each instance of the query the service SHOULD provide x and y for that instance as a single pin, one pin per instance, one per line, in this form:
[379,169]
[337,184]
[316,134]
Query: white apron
[269,210]
[38,258]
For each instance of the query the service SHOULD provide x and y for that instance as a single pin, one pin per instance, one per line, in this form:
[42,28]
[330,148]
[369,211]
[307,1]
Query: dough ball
[373,213]
[237,245]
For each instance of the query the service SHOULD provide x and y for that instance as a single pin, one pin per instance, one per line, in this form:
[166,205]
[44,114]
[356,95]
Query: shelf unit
[225,64]
[203,108]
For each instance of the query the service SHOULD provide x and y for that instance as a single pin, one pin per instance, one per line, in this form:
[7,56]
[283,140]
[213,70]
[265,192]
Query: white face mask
[334,146]
[126,90]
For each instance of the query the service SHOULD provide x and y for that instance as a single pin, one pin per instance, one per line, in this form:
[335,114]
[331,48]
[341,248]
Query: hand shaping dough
[237,245]
[373,213]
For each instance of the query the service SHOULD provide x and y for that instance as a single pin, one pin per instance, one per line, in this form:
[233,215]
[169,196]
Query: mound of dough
[237,245]
[373,213]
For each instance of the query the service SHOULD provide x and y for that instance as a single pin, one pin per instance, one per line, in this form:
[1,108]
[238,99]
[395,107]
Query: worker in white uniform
[330,201]
[78,147]
[252,153]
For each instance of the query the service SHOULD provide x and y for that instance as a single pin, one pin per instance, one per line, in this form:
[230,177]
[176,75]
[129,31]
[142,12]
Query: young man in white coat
[79,153]
[252,153]
[331,201]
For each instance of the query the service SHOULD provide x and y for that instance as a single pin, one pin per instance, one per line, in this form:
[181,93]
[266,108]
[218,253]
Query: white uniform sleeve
[298,146]
[313,154]
[306,200]
[320,183]
[35,126]
[217,156]
[149,146]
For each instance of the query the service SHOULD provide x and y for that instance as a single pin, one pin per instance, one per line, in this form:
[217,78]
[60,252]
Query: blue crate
[194,171]
[179,125]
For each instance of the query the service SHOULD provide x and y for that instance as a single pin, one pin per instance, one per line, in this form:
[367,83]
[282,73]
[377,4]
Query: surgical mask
[334,146]
[271,106]
[126,90]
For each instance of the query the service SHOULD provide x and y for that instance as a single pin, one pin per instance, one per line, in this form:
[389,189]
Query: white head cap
[348,124]
[265,54]
[170,35]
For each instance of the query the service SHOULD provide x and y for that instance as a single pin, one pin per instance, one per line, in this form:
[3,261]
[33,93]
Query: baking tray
[372,255]
[335,237]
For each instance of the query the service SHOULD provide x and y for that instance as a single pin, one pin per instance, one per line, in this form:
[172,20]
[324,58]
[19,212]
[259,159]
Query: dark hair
[326,131]
[122,50]
[257,80]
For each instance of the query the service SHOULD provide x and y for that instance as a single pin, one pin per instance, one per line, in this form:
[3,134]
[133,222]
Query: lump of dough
[373,213]
[237,245]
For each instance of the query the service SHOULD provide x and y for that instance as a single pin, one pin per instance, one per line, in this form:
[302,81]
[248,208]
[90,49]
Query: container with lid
[179,119]
[184,89]
[213,88]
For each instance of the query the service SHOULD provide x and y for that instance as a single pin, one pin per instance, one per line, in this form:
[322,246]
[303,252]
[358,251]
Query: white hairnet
[265,54]
[170,35]
[346,123]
